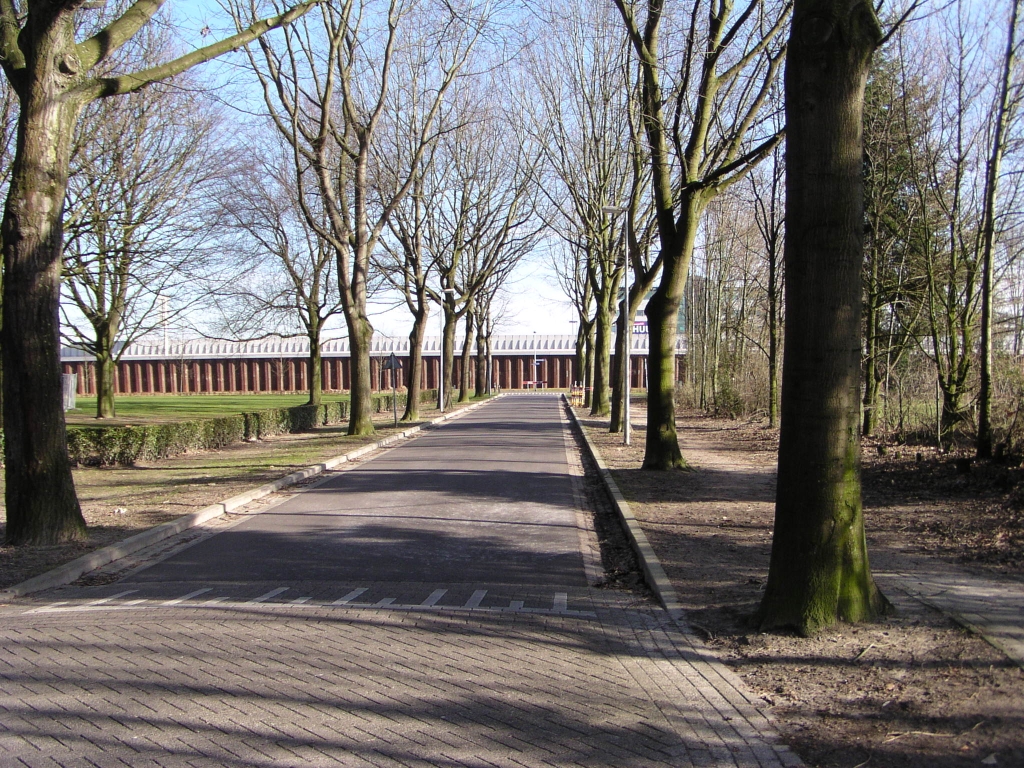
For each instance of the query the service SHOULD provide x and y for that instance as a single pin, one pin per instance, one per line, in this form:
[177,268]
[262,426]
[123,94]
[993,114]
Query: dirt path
[914,690]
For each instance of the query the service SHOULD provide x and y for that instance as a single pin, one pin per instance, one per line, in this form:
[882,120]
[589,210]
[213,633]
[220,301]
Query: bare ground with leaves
[913,690]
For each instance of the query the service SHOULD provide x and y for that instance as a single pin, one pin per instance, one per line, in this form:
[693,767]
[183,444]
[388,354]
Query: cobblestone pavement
[490,650]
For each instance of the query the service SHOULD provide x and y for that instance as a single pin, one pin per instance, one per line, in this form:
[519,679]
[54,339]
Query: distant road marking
[560,603]
[436,595]
[267,596]
[50,607]
[189,596]
[108,599]
[350,596]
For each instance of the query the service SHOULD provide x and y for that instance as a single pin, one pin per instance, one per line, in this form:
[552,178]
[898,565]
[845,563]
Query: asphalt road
[427,608]
[486,498]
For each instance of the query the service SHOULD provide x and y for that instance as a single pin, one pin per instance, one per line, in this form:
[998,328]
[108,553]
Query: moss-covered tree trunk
[42,507]
[465,373]
[480,386]
[360,332]
[819,570]
[50,73]
[588,366]
[316,378]
[661,450]
[105,379]
[601,403]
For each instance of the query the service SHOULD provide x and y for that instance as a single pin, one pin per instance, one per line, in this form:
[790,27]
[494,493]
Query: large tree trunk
[415,372]
[819,566]
[588,366]
[952,416]
[448,360]
[316,381]
[467,348]
[601,403]
[360,332]
[661,450]
[480,387]
[42,507]
[105,376]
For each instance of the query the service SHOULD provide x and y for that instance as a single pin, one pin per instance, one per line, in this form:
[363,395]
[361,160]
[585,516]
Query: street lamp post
[627,334]
[440,346]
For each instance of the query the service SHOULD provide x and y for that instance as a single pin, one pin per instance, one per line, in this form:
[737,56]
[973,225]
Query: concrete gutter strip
[69,572]
[654,574]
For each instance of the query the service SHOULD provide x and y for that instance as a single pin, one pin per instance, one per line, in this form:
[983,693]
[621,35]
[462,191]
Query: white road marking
[214,601]
[350,596]
[267,596]
[561,602]
[189,596]
[133,602]
[476,599]
[384,603]
[300,600]
[436,595]
[108,599]
[516,605]
[50,607]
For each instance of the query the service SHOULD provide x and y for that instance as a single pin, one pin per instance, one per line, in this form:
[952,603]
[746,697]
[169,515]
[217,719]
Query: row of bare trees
[373,163]
[942,313]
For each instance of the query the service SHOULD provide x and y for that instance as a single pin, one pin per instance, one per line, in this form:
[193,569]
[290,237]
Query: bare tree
[55,74]
[286,276]
[137,218]
[767,190]
[1005,109]
[705,131]
[573,271]
[819,571]
[480,228]
[405,264]
[579,100]
[328,91]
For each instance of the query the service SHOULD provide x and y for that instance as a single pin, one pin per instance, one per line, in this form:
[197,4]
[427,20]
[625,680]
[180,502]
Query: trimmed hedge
[125,445]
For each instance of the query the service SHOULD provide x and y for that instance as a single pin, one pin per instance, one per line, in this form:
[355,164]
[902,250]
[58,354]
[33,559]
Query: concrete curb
[654,574]
[69,572]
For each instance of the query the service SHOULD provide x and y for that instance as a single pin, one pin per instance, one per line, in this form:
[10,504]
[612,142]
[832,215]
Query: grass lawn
[133,409]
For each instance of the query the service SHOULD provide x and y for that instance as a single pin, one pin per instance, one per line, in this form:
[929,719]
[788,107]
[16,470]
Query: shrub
[126,445]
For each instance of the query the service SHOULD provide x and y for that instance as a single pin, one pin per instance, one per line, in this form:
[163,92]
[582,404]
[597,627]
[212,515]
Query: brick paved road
[428,608]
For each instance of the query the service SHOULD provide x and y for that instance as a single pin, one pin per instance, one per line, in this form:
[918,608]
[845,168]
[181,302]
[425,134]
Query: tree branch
[103,87]
[109,39]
